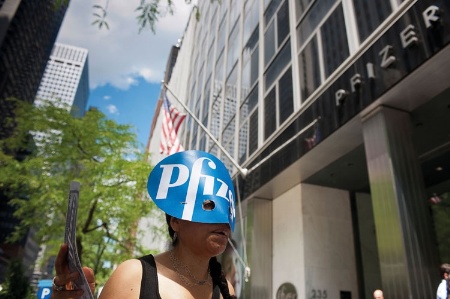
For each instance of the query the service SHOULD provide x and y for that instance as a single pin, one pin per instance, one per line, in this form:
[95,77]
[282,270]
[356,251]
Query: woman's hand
[62,282]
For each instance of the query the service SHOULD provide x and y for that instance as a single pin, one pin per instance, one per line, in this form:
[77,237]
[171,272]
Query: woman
[195,191]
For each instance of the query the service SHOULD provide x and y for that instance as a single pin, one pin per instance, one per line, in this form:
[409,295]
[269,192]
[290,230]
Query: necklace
[191,280]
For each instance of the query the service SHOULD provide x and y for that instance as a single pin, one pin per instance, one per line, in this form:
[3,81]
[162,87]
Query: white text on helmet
[193,184]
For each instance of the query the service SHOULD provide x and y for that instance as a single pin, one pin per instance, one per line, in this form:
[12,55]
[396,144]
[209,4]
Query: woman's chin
[217,248]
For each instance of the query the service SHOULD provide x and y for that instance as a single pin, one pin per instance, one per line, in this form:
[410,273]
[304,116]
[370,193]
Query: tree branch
[89,218]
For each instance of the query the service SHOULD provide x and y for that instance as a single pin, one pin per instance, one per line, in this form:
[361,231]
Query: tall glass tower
[66,78]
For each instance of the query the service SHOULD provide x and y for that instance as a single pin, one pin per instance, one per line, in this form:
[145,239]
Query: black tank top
[149,283]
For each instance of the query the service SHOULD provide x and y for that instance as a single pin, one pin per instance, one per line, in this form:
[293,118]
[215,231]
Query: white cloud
[107,98]
[112,109]
[120,55]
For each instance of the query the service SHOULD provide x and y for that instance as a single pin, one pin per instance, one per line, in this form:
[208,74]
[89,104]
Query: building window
[202,142]
[323,44]
[250,64]
[369,15]
[229,108]
[233,47]
[269,43]
[221,36]
[215,116]
[235,8]
[251,13]
[212,31]
[209,62]
[310,20]
[253,127]
[301,6]
[276,20]
[309,69]
[283,23]
[206,101]
[270,115]
[228,139]
[278,104]
[334,41]
[248,143]
[286,96]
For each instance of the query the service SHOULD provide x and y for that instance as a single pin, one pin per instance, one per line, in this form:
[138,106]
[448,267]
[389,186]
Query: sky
[125,67]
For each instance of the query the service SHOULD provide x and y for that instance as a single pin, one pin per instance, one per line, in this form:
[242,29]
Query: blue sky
[125,66]
[134,106]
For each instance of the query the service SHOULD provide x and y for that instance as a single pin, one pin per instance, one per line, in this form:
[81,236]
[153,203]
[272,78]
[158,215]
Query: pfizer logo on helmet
[194,186]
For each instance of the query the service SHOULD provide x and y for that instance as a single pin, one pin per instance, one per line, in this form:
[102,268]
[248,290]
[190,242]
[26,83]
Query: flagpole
[243,171]
[285,144]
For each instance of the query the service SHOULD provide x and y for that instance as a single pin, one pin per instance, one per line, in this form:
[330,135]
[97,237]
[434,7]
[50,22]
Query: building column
[405,239]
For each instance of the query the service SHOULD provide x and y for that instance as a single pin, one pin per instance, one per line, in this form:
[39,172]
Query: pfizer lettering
[166,177]
[182,183]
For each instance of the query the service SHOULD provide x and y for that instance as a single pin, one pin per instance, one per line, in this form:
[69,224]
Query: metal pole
[243,171]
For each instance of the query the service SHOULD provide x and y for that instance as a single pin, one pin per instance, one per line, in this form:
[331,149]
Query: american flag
[171,122]
[314,139]
[435,199]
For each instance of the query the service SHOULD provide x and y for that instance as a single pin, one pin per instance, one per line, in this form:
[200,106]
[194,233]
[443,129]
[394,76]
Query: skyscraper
[340,110]
[27,33]
[66,78]
[28,30]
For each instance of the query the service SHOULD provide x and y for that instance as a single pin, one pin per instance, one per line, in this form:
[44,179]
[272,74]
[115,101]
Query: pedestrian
[378,294]
[196,192]
[442,290]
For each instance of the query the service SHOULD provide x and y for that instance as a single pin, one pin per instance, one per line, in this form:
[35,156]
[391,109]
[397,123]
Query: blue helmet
[194,186]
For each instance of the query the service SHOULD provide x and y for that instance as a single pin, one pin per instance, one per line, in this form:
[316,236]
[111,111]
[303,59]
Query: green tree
[17,285]
[148,12]
[93,150]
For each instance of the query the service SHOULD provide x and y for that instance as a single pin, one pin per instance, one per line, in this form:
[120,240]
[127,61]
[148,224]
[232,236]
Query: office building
[28,30]
[27,33]
[66,78]
[340,112]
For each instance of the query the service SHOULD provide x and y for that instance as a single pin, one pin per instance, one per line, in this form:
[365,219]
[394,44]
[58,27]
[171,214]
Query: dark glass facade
[28,32]
[25,49]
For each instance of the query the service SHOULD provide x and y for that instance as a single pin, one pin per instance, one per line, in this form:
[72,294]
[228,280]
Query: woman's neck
[193,266]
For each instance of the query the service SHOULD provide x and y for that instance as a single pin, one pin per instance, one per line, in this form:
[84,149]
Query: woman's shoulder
[125,282]
[129,267]
[133,265]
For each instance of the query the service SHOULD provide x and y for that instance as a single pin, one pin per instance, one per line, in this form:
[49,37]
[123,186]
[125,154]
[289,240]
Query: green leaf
[92,150]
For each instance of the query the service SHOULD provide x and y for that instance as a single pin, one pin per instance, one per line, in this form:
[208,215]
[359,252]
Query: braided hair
[215,267]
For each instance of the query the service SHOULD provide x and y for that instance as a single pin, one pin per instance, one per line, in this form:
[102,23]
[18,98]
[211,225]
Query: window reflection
[286,96]
[248,108]
[309,69]
[283,22]
[270,121]
[251,12]
[276,21]
[277,66]
[370,14]
[334,41]
[250,64]
[312,18]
